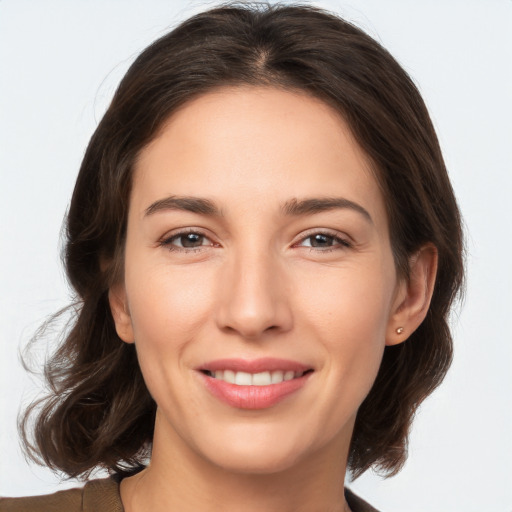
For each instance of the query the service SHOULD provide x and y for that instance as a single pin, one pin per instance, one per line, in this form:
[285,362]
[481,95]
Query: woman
[266,245]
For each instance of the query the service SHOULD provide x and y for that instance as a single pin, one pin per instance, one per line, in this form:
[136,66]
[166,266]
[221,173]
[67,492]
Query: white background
[59,64]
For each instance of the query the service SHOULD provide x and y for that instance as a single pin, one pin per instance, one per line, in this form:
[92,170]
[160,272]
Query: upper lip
[254,365]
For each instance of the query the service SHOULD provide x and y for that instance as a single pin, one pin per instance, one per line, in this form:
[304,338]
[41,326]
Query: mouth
[254,384]
[264,378]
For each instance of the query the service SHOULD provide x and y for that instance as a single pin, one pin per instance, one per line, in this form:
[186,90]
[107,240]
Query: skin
[255,286]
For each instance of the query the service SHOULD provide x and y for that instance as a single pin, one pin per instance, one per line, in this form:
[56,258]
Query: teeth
[255,379]
[229,376]
[289,375]
[261,379]
[277,377]
[243,379]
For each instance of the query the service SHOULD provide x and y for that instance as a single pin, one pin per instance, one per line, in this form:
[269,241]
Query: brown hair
[99,413]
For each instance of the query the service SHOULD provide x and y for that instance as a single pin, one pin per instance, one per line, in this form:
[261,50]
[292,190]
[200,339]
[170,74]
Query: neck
[180,479]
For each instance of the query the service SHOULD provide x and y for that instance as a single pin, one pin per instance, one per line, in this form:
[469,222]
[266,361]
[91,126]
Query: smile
[265,378]
[256,384]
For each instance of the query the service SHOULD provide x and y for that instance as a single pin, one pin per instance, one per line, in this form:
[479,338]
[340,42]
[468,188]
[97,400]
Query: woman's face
[259,282]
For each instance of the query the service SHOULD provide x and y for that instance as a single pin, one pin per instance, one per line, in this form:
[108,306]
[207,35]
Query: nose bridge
[254,298]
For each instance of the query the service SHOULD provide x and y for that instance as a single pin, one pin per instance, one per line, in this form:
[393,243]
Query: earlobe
[414,295]
[121,313]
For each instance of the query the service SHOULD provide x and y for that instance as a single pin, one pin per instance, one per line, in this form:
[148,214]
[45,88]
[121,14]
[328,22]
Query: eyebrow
[297,207]
[186,203]
[293,207]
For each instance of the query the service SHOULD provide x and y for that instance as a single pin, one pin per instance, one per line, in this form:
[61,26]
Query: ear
[413,296]
[121,313]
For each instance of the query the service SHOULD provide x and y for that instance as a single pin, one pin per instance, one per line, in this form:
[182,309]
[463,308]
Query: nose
[254,298]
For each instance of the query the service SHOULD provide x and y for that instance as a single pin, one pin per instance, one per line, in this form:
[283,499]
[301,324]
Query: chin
[257,452]
[261,463]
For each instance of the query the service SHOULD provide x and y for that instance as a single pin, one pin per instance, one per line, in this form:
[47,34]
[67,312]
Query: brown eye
[187,240]
[190,240]
[320,240]
[324,241]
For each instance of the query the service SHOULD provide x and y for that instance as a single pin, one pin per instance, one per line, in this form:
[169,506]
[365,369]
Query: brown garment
[103,496]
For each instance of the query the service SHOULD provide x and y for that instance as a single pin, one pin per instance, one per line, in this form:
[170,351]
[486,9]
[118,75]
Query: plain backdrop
[60,62]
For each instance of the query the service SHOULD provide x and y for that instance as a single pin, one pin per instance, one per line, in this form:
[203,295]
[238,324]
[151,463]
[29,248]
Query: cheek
[348,311]
[352,302]
[168,309]
[166,305]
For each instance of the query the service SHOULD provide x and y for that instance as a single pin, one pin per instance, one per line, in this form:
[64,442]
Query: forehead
[252,143]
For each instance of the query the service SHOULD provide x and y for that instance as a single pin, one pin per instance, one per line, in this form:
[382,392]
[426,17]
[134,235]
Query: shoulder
[103,496]
[70,499]
[96,496]
[356,503]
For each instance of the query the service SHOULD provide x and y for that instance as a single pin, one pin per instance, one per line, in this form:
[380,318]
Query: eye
[184,241]
[324,241]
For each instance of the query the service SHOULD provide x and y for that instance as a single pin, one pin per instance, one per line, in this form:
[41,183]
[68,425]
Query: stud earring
[400,330]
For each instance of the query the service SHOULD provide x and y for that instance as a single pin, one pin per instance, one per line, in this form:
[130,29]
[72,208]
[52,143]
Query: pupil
[191,240]
[321,241]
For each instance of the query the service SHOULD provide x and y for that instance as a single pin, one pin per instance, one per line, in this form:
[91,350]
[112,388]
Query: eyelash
[342,243]
[167,241]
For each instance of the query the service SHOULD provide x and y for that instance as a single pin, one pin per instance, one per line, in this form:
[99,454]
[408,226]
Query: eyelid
[166,240]
[343,239]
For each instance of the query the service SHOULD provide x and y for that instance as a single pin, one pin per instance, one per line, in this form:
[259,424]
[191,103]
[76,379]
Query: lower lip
[253,397]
